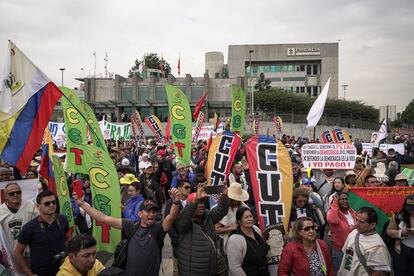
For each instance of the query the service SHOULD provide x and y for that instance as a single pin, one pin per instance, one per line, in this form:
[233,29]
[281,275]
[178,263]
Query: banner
[329,156]
[271,171]
[386,201]
[221,155]
[155,126]
[400,148]
[256,126]
[327,137]
[58,133]
[367,147]
[380,135]
[137,125]
[341,136]
[181,124]
[409,173]
[65,206]
[198,125]
[116,131]
[238,108]
[278,123]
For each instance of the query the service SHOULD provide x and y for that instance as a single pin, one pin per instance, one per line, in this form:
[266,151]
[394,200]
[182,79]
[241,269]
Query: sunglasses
[187,187]
[15,193]
[308,228]
[180,169]
[48,203]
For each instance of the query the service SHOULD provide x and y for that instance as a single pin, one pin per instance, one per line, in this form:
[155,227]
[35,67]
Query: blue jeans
[336,259]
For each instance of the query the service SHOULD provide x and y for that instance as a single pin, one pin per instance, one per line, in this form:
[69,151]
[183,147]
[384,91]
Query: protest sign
[58,132]
[329,156]
[367,147]
[397,147]
[115,131]
[409,173]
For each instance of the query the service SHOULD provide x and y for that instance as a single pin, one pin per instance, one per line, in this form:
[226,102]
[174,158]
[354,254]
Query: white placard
[397,147]
[329,156]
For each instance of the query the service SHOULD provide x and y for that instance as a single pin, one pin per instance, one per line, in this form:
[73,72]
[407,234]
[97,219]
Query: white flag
[316,111]
[381,133]
[19,80]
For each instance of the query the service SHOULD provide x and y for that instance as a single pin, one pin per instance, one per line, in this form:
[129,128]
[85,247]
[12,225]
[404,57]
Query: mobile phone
[77,187]
[216,189]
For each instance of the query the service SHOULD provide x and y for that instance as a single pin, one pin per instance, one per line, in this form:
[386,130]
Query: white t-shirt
[12,223]
[372,248]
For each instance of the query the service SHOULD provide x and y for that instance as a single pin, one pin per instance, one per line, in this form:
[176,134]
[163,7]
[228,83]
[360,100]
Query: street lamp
[251,80]
[344,86]
[62,69]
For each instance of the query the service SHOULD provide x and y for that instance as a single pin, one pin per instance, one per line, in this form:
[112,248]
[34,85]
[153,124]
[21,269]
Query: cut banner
[329,156]
[155,126]
[386,201]
[181,126]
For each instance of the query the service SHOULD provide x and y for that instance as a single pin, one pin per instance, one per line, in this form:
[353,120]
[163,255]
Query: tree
[262,84]
[151,61]
[407,116]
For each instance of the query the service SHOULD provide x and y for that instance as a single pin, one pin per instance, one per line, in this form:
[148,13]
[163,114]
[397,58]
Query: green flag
[65,207]
[75,126]
[106,195]
[238,109]
[181,126]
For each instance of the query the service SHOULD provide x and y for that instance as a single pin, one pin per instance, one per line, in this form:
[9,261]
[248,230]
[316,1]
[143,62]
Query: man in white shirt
[374,258]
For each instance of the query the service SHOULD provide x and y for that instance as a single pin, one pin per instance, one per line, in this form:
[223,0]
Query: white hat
[236,192]
[125,162]
[145,155]
[147,165]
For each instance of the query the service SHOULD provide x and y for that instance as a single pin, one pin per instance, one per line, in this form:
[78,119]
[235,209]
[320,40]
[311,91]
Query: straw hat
[128,179]
[236,192]
[400,177]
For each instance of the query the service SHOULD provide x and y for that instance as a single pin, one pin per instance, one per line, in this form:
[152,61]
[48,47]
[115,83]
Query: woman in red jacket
[342,220]
[306,255]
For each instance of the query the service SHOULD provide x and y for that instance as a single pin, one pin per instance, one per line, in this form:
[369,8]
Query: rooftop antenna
[106,64]
[94,67]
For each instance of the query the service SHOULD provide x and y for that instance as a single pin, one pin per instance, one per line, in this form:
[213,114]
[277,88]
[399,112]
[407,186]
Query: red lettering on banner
[104,230]
[78,157]
[70,230]
[180,147]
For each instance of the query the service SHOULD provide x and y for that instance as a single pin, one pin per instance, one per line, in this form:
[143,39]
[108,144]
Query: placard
[329,156]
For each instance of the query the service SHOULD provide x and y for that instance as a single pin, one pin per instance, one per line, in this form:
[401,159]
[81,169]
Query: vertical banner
[62,191]
[155,126]
[271,175]
[75,126]
[198,125]
[256,126]
[216,122]
[327,137]
[180,116]
[278,123]
[167,131]
[238,108]
[137,127]
[341,136]
[221,155]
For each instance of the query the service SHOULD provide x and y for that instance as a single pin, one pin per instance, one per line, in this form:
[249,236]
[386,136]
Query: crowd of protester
[160,195]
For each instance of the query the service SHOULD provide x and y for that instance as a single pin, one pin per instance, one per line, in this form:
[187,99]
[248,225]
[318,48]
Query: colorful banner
[216,122]
[180,116]
[58,132]
[329,156]
[115,131]
[198,126]
[62,191]
[278,123]
[367,148]
[386,201]
[238,109]
[155,126]
[269,163]
[341,136]
[409,173]
[327,137]
[256,126]
[221,155]
[137,126]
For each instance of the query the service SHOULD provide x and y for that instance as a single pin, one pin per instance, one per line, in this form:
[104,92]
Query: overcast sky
[376,51]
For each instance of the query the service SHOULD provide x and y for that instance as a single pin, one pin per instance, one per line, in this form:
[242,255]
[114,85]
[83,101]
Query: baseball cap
[148,205]
[161,152]
[147,165]
[125,162]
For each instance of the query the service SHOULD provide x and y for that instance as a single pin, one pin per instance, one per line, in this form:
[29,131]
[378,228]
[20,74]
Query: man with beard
[236,175]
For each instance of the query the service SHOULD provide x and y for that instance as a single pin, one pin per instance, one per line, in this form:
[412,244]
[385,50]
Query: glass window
[297,89]
[315,69]
[294,79]
[273,68]
[284,68]
[308,90]
[302,68]
[162,113]
[160,93]
[308,69]
[290,68]
[302,89]
[266,69]
[126,93]
[144,112]
[315,91]
[196,93]
[254,70]
[143,93]
[275,79]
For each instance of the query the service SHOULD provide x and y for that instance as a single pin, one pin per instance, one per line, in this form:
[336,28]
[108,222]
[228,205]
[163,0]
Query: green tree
[152,61]
[407,116]
[262,83]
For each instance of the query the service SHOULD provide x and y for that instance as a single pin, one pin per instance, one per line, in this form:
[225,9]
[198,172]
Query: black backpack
[389,242]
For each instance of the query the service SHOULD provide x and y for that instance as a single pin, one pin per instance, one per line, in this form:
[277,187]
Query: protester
[364,250]
[246,249]
[81,259]
[371,181]
[132,206]
[5,174]
[125,182]
[360,171]
[145,246]
[183,174]
[350,178]
[342,220]
[236,175]
[306,255]
[151,183]
[337,187]
[46,236]
[15,212]
[401,180]
[324,181]
[401,230]
[228,224]
[195,227]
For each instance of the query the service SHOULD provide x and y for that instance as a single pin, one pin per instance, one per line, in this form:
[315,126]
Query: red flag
[179,65]
[210,140]
[199,106]
[167,131]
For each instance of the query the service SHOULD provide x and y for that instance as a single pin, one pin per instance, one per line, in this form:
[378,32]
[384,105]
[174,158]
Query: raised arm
[170,218]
